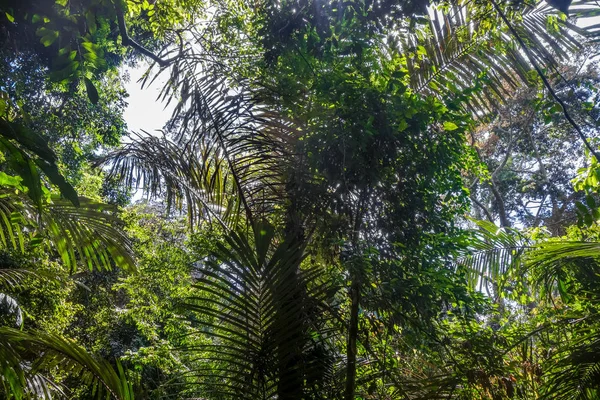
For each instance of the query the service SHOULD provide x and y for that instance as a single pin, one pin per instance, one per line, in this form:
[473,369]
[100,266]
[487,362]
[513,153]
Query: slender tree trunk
[290,299]
[355,289]
[356,279]
[504,221]
[290,338]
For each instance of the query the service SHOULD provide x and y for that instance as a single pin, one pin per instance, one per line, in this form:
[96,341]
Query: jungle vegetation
[359,199]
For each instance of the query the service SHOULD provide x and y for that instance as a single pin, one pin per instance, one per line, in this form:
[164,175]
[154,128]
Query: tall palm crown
[232,153]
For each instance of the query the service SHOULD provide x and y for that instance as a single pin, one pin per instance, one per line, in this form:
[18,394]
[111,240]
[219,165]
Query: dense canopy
[395,199]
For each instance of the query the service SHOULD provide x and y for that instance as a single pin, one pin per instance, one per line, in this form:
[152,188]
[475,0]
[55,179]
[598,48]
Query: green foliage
[319,152]
[257,295]
[87,234]
[48,351]
[27,167]
[493,251]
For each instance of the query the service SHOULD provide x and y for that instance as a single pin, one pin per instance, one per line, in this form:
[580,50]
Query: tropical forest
[345,199]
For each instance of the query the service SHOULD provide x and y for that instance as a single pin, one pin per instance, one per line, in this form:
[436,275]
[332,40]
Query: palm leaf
[25,355]
[548,253]
[14,216]
[12,277]
[87,234]
[491,253]
[458,50]
[188,177]
[570,268]
[254,299]
[224,150]
[574,373]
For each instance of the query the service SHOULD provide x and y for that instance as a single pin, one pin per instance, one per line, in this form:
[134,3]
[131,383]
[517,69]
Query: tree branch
[545,80]
[128,41]
[483,208]
[537,220]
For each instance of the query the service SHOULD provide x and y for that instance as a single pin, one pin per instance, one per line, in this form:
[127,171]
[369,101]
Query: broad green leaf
[26,169]
[51,171]
[8,180]
[590,201]
[92,92]
[47,36]
[450,126]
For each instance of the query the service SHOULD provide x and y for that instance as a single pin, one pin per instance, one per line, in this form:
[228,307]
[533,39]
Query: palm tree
[551,270]
[233,157]
[84,235]
[459,50]
[263,311]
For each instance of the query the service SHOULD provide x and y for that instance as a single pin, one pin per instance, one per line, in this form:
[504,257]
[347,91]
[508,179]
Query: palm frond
[492,251]
[188,177]
[12,277]
[87,234]
[16,217]
[552,252]
[458,50]
[554,265]
[574,373]
[254,299]
[24,356]
[223,152]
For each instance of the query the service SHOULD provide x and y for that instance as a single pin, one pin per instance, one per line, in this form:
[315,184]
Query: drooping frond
[574,373]
[222,150]
[570,269]
[548,253]
[554,264]
[191,177]
[24,356]
[255,303]
[15,218]
[457,49]
[87,234]
[12,277]
[492,251]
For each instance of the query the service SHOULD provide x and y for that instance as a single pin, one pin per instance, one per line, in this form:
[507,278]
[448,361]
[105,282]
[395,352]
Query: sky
[144,110]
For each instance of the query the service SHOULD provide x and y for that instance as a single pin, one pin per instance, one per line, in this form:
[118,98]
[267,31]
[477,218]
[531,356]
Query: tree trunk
[290,338]
[504,221]
[352,338]
[356,277]
[290,299]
